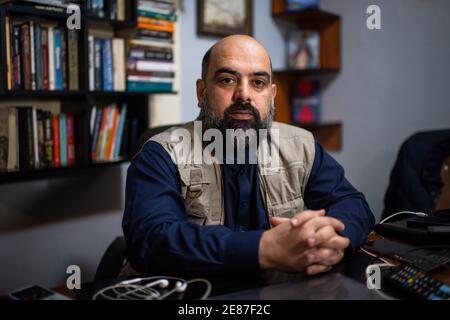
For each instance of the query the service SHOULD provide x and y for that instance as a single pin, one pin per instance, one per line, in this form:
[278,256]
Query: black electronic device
[425,259]
[415,284]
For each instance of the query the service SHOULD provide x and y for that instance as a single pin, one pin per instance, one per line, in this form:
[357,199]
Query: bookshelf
[328,25]
[81,101]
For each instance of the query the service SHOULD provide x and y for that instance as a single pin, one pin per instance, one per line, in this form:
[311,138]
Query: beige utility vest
[282,186]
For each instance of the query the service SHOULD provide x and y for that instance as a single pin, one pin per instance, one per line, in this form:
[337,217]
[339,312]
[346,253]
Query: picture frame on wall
[220,18]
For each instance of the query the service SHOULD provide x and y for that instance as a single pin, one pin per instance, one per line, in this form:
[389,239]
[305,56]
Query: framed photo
[223,18]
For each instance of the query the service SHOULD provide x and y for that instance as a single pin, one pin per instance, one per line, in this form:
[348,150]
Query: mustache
[242,107]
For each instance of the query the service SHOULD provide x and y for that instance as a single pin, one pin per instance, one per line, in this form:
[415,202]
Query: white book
[92,120]
[121,10]
[118,47]
[51,58]
[91,64]
[151,43]
[32,57]
[142,65]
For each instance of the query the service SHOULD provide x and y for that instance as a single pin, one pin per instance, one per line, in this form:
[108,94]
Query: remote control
[417,284]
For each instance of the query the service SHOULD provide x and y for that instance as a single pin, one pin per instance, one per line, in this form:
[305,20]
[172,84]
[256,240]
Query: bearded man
[301,215]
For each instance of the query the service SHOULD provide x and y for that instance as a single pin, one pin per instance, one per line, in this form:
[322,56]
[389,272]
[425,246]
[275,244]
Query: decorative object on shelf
[222,18]
[303,49]
[306,102]
[295,5]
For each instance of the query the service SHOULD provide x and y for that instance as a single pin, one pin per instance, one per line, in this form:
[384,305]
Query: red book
[26,56]
[56,156]
[71,158]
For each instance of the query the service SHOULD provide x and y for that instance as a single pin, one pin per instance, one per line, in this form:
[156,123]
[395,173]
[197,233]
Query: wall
[393,83]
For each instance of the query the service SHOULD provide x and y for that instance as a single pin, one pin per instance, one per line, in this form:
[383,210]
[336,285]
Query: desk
[346,281]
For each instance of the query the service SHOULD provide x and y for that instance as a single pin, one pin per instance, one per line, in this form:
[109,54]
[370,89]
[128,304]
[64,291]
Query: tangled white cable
[150,288]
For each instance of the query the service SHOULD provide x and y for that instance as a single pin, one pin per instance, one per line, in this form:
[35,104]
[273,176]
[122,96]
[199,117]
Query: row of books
[41,56]
[44,3]
[31,138]
[306,102]
[112,9]
[150,61]
[107,126]
[106,64]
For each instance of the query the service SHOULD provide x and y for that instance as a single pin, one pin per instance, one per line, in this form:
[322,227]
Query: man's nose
[242,92]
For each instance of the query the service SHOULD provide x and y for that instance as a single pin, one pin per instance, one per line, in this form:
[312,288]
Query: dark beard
[211,121]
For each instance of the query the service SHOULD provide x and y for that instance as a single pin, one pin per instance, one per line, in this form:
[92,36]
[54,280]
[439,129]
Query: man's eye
[227,80]
[259,83]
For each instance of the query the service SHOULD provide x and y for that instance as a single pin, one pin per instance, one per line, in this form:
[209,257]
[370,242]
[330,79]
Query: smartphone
[36,293]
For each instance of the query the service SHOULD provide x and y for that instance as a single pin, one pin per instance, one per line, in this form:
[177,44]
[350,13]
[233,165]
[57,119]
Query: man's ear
[201,87]
[274,90]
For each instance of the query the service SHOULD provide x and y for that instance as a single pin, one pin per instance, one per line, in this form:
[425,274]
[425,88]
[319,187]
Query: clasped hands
[309,243]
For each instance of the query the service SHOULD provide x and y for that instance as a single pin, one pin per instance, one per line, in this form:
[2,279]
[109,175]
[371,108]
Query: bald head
[236,43]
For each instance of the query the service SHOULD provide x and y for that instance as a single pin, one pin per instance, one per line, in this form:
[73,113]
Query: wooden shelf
[50,12]
[328,134]
[306,17]
[127,93]
[29,175]
[306,72]
[329,27]
[57,94]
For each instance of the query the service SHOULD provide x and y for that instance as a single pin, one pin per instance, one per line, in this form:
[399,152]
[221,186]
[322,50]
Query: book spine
[45,67]
[56,144]
[73,60]
[48,139]
[17,59]
[120,127]
[71,157]
[58,66]
[38,56]
[149,86]
[9,60]
[13,137]
[96,132]
[63,59]
[108,83]
[30,131]
[36,162]
[63,139]
[51,58]
[91,64]
[119,64]
[40,115]
[32,56]
[26,61]
[24,153]
[98,64]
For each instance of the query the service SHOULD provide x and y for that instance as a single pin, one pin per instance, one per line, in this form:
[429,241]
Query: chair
[415,181]
[115,255]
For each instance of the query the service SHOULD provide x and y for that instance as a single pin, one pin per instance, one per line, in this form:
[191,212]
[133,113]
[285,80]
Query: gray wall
[392,84]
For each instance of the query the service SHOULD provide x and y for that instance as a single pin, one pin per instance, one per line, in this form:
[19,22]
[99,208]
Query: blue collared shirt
[161,240]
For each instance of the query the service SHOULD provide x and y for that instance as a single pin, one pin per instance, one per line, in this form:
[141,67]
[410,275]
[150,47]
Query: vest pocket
[195,191]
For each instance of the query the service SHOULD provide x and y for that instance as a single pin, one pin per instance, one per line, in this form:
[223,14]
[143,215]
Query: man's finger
[298,219]
[313,225]
[324,234]
[337,243]
[304,216]
[316,269]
